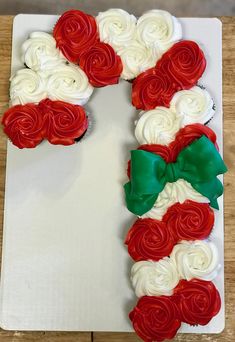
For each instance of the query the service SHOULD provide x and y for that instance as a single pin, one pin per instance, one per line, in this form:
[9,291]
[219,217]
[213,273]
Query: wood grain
[228,334]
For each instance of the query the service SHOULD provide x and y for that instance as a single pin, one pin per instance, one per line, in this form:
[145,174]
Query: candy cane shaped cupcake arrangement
[173,185]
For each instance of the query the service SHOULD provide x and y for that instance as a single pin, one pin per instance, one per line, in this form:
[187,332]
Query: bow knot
[172,172]
[199,164]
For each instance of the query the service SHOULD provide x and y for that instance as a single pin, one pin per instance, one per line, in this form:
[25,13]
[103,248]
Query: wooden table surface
[228,334]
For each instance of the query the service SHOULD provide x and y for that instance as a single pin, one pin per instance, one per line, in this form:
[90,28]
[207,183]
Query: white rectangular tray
[65,266]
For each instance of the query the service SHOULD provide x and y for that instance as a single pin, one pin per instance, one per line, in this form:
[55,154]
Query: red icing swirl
[65,122]
[101,64]
[149,239]
[24,125]
[152,88]
[162,150]
[155,318]
[189,220]
[179,68]
[198,301]
[75,32]
[185,62]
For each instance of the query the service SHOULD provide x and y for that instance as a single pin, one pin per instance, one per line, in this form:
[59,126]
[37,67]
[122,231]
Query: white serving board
[64,263]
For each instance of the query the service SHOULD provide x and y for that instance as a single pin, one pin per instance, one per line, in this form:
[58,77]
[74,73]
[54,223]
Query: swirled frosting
[197,259]
[136,58]
[154,278]
[64,122]
[189,220]
[101,64]
[40,52]
[194,105]
[197,301]
[116,27]
[27,86]
[159,29]
[24,125]
[157,126]
[178,191]
[70,84]
[149,239]
[155,318]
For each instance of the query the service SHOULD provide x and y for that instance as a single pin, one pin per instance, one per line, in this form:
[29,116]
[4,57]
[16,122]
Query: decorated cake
[173,185]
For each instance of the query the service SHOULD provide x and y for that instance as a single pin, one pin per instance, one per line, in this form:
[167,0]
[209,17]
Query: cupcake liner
[213,106]
[91,123]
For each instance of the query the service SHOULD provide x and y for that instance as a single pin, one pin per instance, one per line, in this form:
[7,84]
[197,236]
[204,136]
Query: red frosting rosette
[189,220]
[75,32]
[65,122]
[184,62]
[162,150]
[152,88]
[149,239]
[198,301]
[179,68]
[101,64]
[24,125]
[155,318]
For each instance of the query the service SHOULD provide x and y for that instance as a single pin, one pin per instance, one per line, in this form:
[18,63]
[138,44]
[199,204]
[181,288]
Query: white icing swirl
[154,278]
[183,190]
[193,105]
[136,58]
[116,27]
[172,193]
[27,86]
[157,126]
[70,84]
[197,259]
[40,52]
[158,28]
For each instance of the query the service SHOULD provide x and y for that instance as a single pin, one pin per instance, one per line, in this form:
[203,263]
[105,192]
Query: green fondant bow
[199,164]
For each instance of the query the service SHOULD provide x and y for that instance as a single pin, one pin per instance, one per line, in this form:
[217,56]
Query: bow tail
[138,204]
[211,189]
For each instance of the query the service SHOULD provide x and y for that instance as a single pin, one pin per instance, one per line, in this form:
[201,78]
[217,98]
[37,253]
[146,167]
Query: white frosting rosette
[151,278]
[136,58]
[194,105]
[116,27]
[27,86]
[197,259]
[157,126]
[172,193]
[40,52]
[70,84]
[158,29]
